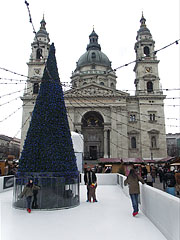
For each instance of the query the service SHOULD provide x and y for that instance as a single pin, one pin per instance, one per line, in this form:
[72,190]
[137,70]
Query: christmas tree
[48,146]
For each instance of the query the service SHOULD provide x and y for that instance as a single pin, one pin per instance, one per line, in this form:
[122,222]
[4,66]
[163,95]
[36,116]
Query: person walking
[170,182]
[149,180]
[160,172]
[90,180]
[153,173]
[133,182]
[28,193]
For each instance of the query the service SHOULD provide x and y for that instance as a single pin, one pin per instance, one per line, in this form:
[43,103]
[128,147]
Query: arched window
[153,142]
[149,86]
[146,51]
[101,83]
[112,85]
[35,88]
[39,53]
[93,55]
[152,117]
[133,142]
[84,83]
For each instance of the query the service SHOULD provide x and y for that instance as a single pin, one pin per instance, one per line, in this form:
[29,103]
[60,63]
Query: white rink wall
[160,207]
[163,210]
[104,178]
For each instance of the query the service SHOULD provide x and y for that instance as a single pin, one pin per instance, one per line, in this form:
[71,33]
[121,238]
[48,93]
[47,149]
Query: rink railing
[160,207]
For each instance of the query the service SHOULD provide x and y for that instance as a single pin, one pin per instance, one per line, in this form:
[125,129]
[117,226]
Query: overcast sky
[69,24]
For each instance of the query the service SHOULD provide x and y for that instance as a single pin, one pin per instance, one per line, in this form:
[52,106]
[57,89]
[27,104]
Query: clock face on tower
[148,69]
[37,71]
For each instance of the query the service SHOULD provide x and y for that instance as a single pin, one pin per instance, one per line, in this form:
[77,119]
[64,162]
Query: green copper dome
[93,55]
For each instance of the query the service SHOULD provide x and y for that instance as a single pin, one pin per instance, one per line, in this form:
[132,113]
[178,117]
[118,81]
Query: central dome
[93,55]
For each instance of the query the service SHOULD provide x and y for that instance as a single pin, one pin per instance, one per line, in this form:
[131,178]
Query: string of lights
[97,97]
[30,20]
[111,129]
[140,120]
[163,89]
[152,53]
[16,110]
[21,128]
[67,84]
[131,126]
[11,79]
[11,93]
[4,83]
[9,101]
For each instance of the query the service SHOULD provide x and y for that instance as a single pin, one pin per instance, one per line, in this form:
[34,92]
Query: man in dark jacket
[170,182]
[91,183]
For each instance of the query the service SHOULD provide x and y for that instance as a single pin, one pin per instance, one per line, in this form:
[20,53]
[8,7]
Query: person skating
[133,182]
[28,193]
[91,183]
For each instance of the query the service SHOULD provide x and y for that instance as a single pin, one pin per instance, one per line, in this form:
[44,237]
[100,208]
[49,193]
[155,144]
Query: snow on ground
[109,218]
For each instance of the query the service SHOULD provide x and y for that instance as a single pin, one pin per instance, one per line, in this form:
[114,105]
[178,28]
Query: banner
[8,182]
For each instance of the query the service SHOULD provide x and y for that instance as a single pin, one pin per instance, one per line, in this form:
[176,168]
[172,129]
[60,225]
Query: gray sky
[69,24]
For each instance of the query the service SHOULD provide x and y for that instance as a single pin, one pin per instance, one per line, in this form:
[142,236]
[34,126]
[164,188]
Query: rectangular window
[132,118]
[152,116]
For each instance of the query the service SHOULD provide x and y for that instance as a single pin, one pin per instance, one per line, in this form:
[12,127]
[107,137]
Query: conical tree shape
[48,145]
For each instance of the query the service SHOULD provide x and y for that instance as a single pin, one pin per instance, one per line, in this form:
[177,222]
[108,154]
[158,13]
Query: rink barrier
[161,208]
[54,193]
[6,183]
[103,178]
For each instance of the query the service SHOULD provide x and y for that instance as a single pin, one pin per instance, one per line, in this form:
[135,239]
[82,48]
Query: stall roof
[120,160]
[166,159]
[133,160]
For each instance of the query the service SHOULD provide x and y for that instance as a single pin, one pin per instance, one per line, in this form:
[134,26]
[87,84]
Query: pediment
[94,89]
[148,76]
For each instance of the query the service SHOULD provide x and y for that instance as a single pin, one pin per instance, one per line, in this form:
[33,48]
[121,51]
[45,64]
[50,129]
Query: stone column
[105,144]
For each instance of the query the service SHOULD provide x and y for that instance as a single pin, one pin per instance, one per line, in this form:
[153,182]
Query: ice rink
[108,219]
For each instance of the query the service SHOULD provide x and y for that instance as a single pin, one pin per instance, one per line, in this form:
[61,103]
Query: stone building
[173,144]
[114,124]
[9,146]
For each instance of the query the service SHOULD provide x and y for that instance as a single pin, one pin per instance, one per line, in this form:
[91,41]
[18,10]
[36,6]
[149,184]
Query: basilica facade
[114,124]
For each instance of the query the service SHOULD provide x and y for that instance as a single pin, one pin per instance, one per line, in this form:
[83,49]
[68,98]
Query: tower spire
[143,21]
[43,23]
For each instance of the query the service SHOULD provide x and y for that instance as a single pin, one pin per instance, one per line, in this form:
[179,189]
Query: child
[28,193]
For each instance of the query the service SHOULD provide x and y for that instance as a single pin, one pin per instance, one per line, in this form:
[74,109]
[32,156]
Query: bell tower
[146,68]
[36,65]
[38,58]
[149,96]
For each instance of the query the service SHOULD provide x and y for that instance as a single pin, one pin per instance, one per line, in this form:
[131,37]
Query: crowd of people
[9,168]
[169,178]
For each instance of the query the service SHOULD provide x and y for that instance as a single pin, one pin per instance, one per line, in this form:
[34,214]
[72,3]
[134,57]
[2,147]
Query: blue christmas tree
[48,146]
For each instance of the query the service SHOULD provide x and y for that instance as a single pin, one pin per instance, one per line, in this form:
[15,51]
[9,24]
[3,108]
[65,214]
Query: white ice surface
[108,219]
